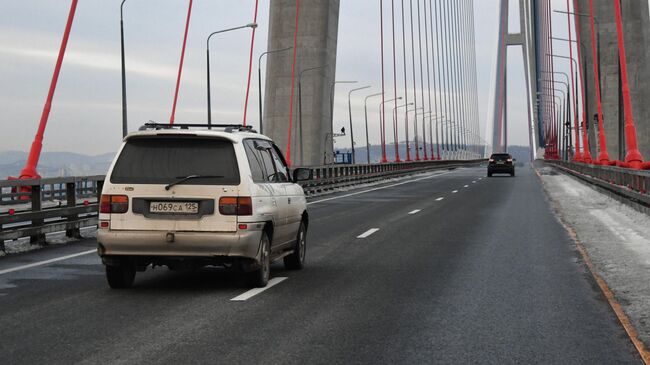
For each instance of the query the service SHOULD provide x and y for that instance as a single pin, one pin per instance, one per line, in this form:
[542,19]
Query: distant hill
[56,164]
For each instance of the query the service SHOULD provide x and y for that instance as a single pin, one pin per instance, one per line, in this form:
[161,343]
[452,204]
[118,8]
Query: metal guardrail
[70,203]
[330,177]
[47,206]
[631,184]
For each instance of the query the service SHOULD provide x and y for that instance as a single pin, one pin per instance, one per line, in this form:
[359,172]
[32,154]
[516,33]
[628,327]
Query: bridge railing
[47,206]
[631,184]
[330,177]
[71,203]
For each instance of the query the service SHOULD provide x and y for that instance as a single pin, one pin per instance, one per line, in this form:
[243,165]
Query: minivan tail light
[230,205]
[114,204]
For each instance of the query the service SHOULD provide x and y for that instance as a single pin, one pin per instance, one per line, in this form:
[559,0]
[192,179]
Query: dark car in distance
[501,163]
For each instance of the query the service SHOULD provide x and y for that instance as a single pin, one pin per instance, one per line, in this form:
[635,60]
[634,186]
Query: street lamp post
[350,112]
[125,128]
[603,156]
[382,123]
[365,108]
[596,29]
[578,155]
[332,87]
[259,80]
[566,111]
[300,106]
[562,101]
[408,146]
[395,126]
[207,52]
[556,119]
[586,154]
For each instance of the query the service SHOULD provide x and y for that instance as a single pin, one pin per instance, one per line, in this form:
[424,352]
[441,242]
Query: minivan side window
[270,162]
[282,174]
[255,161]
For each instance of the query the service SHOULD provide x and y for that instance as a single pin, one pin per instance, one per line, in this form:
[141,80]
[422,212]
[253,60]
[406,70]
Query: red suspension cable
[383,93]
[29,171]
[293,84]
[180,66]
[633,157]
[397,159]
[577,156]
[586,150]
[250,63]
[603,156]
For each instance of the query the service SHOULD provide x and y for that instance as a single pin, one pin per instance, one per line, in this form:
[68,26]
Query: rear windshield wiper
[183,179]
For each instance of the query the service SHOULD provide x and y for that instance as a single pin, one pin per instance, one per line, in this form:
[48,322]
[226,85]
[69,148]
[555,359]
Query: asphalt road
[484,275]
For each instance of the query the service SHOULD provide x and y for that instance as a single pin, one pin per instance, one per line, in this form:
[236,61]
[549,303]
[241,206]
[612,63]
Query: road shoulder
[614,237]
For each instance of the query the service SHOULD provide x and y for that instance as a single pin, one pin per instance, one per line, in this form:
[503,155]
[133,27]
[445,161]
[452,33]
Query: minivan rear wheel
[260,276]
[120,276]
[296,260]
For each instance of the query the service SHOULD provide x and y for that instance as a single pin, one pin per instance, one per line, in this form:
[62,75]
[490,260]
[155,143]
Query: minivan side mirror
[514,160]
[302,174]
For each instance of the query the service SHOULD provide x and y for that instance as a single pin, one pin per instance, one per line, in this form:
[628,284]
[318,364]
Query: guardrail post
[71,197]
[36,206]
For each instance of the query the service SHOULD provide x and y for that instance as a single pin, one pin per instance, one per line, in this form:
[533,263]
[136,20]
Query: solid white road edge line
[253,292]
[415,211]
[41,263]
[368,233]
[379,188]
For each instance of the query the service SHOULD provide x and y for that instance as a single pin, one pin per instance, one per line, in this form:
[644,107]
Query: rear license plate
[174,207]
[500,162]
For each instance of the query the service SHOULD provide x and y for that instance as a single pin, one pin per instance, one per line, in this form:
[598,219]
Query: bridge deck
[485,274]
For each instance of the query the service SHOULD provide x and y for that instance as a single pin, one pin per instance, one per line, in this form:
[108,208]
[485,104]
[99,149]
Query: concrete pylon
[636,27]
[524,39]
[316,46]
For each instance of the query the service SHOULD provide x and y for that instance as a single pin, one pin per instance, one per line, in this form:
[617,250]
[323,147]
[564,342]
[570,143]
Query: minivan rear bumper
[243,243]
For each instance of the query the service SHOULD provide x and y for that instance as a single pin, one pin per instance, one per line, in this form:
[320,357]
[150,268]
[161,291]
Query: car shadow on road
[204,279]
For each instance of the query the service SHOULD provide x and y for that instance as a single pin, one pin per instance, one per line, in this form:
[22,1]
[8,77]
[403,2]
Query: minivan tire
[120,276]
[296,260]
[259,277]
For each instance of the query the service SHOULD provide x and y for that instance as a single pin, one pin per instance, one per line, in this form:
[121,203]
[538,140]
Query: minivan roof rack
[228,128]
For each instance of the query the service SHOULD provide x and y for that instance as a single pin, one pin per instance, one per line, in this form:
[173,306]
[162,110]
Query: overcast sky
[86,114]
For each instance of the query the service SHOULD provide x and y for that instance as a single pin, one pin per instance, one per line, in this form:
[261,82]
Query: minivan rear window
[165,159]
[500,156]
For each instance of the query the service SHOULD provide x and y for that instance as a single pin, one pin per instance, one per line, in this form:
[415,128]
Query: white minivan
[185,197]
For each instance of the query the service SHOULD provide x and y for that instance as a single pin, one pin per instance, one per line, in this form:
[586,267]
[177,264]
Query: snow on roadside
[616,237]
[57,238]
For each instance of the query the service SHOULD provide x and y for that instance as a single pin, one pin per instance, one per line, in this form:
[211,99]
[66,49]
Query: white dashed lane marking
[415,211]
[253,292]
[368,233]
